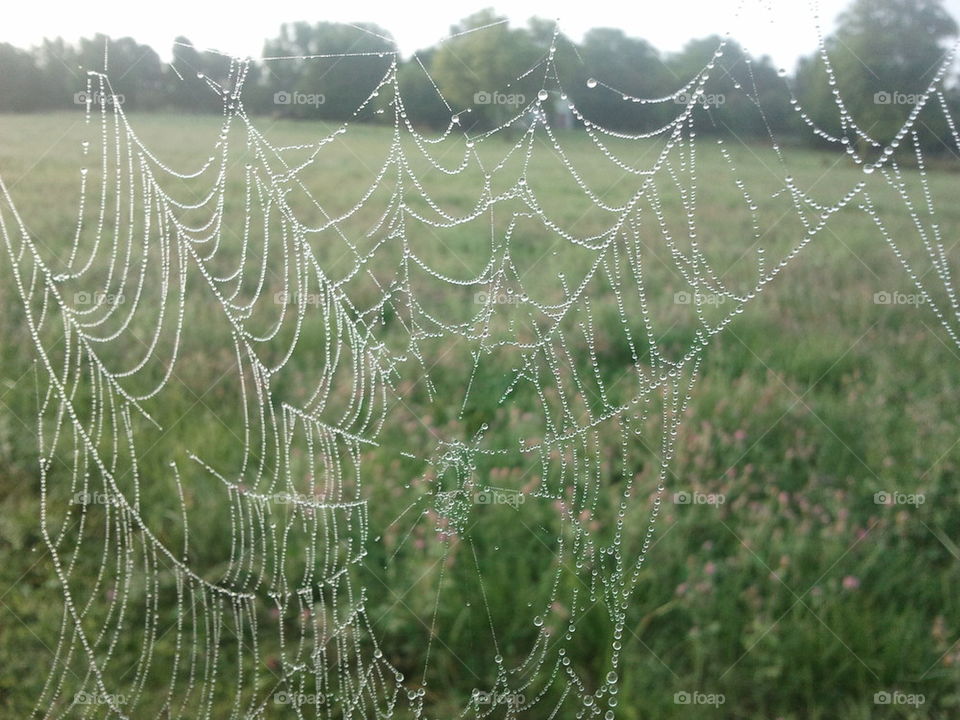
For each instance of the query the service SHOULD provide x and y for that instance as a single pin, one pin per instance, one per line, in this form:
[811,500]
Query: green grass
[811,401]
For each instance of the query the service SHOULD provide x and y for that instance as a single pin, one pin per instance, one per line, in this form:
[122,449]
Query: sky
[783,29]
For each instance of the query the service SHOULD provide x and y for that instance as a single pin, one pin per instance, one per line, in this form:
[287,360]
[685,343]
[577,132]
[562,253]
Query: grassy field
[798,597]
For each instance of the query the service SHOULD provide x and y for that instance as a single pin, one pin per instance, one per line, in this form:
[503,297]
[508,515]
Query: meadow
[798,596]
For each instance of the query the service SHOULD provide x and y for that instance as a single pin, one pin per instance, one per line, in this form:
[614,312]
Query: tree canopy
[882,57]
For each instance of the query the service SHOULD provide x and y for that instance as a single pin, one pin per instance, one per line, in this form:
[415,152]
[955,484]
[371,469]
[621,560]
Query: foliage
[884,55]
[882,52]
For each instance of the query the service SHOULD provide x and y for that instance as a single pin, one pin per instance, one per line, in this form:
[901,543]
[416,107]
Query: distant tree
[621,65]
[61,77]
[134,71]
[883,52]
[20,81]
[542,32]
[421,99]
[742,94]
[478,71]
[193,77]
[347,64]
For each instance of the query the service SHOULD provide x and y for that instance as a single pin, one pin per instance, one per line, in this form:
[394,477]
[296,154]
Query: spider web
[329,318]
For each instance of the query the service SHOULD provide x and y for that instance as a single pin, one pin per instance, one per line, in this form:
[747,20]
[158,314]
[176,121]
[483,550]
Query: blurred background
[807,559]
[885,52]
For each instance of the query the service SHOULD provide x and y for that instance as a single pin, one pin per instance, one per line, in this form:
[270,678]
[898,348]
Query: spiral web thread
[296,490]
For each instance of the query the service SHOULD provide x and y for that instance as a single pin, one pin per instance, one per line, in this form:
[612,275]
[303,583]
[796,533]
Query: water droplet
[592,83]
[543,94]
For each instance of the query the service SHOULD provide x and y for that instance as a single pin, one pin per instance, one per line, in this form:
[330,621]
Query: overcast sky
[783,29]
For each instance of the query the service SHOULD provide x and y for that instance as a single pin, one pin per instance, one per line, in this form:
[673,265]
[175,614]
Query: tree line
[882,57]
